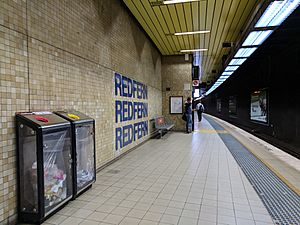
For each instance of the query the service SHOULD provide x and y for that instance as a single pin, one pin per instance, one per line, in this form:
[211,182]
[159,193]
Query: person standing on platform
[200,110]
[188,113]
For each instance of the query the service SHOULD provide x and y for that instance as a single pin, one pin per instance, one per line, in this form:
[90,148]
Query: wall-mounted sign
[187,87]
[131,110]
[259,106]
[196,83]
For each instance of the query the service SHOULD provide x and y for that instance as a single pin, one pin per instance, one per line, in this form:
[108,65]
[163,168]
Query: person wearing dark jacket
[188,112]
[200,110]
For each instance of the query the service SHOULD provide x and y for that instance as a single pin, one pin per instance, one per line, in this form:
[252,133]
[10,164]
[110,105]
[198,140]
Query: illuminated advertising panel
[259,106]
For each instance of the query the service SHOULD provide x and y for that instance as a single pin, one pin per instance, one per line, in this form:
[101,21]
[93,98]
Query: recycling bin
[83,149]
[44,159]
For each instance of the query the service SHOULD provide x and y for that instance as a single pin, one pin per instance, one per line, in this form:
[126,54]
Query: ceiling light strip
[194,50]
[193,32]
[256,38]
[179,1]
[277,12]
[237,62]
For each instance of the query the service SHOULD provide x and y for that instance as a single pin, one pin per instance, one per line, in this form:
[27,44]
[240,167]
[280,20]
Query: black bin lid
[74,116]
[43,119]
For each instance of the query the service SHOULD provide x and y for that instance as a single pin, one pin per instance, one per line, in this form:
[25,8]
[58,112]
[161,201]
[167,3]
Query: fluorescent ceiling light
[231,68]
[179,1]
[224,77]
[277,12]
[244,52]
[257,37]
[193,32]
[237,62]
[227,73]
[194,50]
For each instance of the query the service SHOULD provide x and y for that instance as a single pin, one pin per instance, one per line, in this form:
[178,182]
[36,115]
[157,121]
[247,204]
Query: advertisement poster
[232,106]
[176,104]
[259,106]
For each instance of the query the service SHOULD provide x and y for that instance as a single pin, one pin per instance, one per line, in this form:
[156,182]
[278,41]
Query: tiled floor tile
[162,202]
[244,215]
[240,221]
[165,196]
[67,211]
[187,221]
[175,204]
[169,219]
[127,204]
[72,221]
[194,200]
[122,211]
[227,205]
[153,216]
[92,206]
[226,220]
[226,212]
[142,206]
[82,213]
[57,219]
[158,208]
[190,213]
[97,216]
[242,207]
[130,221]
[203,222]
[89,222]
[148,222]
[173,211]
[208,209]
[113,219]
[208,217]
[190,206]
[136,213]
[106,208]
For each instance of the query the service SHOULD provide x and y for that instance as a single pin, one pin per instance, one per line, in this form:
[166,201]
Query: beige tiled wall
[62,54]
[13,97]
[175,73]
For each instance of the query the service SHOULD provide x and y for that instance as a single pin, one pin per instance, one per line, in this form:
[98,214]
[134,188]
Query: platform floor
[179,179]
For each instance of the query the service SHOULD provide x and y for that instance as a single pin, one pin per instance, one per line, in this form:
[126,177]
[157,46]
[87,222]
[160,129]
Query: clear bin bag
[85,154]
[56,150]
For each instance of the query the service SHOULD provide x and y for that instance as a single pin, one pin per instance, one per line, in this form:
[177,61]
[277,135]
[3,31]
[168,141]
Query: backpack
[200,107]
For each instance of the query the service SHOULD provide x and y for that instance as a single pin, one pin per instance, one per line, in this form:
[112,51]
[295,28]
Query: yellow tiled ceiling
[226,19]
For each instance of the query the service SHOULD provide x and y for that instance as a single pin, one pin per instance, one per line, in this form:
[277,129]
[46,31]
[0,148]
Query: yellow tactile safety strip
[290,185]
[211,131]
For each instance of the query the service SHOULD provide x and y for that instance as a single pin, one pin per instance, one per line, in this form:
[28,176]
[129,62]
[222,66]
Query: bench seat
[162,125]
